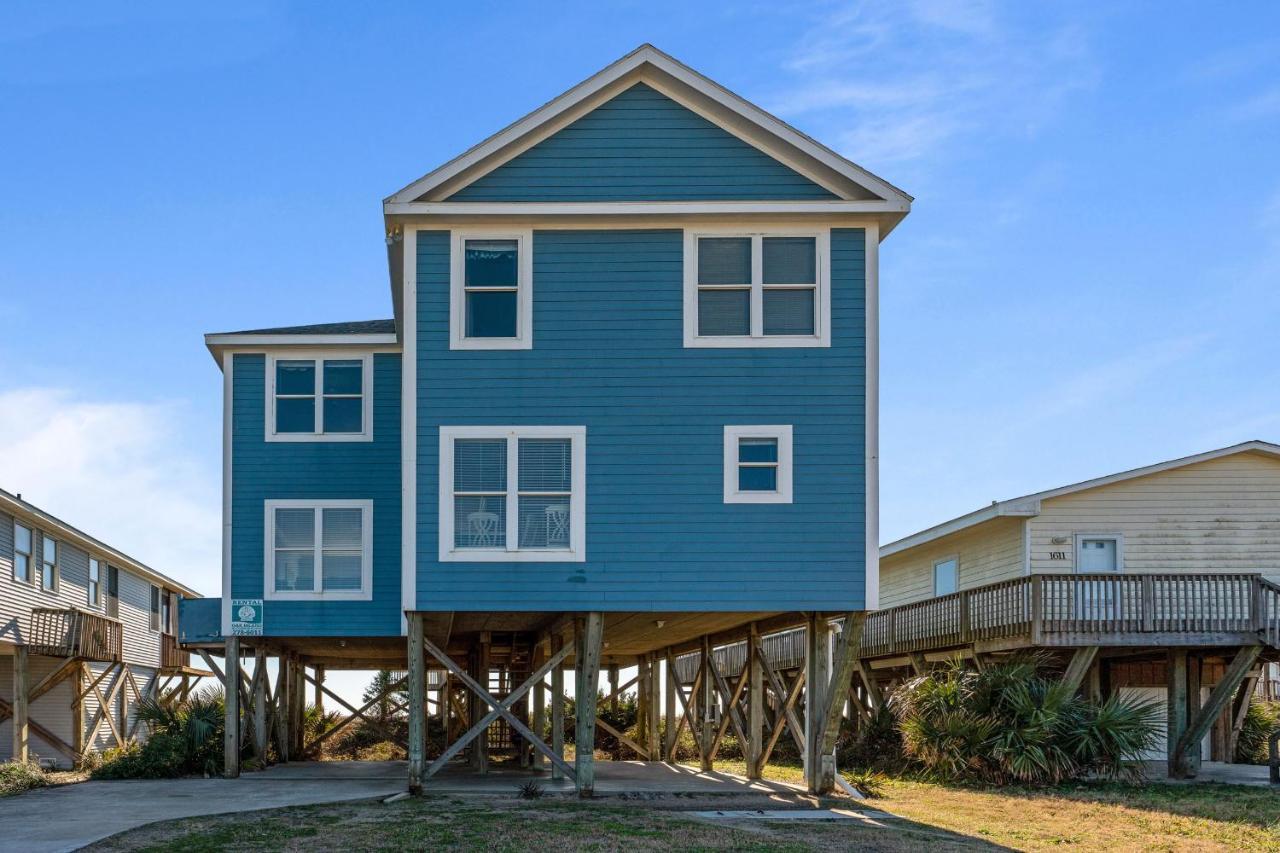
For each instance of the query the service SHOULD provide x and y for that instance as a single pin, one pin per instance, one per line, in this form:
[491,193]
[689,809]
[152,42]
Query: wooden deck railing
[171,657]
[75,633]
[784,649]
[1082,609]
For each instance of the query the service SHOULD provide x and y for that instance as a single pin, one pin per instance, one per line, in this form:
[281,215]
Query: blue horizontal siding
[641,146]
[608,353]
[264,470]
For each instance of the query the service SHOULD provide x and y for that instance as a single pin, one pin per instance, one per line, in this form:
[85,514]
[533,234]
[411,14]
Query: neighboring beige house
[85,632]
[1146,581]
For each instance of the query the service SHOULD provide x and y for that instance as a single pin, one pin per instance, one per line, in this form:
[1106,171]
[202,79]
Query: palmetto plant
[1012,723]
[196,723]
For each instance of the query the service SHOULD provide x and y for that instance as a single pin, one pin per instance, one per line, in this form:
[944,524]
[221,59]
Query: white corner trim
[524,290]
[318,356]
[409,432]
[511,553]
[228,400]
[871,406]
[269,592]
[782,432]
[758,339]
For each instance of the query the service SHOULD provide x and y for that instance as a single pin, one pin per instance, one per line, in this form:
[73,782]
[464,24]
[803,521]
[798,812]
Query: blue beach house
[624,412]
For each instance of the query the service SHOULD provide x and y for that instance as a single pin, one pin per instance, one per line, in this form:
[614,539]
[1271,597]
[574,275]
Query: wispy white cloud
[901,82]
[123,472]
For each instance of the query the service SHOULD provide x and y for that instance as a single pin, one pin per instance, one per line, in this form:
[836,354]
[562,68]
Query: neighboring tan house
[1148,581]
[85,632]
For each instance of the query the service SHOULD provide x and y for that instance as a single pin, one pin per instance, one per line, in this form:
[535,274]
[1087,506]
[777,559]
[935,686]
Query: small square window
[757,464]
[491,292]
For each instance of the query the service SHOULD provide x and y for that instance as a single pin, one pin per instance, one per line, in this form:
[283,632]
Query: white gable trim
[1029,505]
[639,66]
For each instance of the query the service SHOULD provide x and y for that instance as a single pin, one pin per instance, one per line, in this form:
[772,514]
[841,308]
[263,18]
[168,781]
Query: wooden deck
[71,633]
[1079,610]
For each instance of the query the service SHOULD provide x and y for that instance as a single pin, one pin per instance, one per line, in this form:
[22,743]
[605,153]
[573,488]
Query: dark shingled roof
[353,327]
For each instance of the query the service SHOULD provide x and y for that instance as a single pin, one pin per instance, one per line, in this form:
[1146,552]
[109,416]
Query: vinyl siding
[986,553]
[52,710]
[641,146]
[1222,515]
[608,354]
[264,470]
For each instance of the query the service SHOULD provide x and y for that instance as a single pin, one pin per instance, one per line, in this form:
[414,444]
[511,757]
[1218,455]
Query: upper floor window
[768,289]
[48,563]
[113,592]
[946,576]
[757,464]
[513,493]
[319,549]
[95,582]
[155,607]
[166,611]
[21,553]
[491,291]
[319,399]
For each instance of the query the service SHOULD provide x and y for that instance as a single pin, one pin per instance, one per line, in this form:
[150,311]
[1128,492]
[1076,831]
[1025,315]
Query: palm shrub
[185,738]
[1260,722]
[1013,723]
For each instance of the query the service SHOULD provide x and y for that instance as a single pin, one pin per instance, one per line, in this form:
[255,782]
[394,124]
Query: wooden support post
[480,664]
[1191,758]
[613,687]
[1177,707]
[590,637]
[1081,662]
[417,708]
[319,700]
[816,677]
[21,717]
[300,705]
[77,709]
[260,704]
[1241,709]
[753,749]
[706,708]
[231,708]
[557,706]
[1180,764]
[642,703]
[835,694]
[669,717]
[536,759]
[284,687]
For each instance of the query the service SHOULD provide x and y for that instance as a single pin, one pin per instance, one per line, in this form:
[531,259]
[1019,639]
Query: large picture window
[757,289]
[491,291]
[513,493]
[319,398]
[319,549]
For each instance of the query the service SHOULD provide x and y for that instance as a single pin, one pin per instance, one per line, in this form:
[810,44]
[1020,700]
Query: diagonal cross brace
[500,709]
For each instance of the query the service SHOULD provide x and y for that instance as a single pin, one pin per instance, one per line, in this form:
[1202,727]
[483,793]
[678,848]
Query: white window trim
[524,291]
[31,567]
[511,553]
[57,565]
[1118,537]
[781,432]
[89,582]
[319,357]
[954,558]
[317,593]
[757,338]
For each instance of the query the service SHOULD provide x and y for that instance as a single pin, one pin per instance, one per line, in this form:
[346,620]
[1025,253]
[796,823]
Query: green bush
[1260,722]
[1012,723]
[186,738]
[17,776]
[877,745]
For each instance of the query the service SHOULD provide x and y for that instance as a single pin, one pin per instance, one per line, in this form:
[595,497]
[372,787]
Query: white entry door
[1096,599]
[1098,554]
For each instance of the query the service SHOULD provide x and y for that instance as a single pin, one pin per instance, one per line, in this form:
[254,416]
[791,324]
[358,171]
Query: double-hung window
[319,549]
[319,398]
[21,553]
[155,608]
[491,290]
[757,464]
[94,596]
[48,563]
[513,493]
[757,289]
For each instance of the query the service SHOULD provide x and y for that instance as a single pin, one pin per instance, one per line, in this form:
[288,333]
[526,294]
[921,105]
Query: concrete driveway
[69,817]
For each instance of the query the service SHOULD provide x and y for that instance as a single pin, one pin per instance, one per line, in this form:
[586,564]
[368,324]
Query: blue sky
[1089,281]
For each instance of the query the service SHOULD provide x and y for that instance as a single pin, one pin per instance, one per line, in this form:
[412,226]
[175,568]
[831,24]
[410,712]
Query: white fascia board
[638,208]
[220,344]
[642,56]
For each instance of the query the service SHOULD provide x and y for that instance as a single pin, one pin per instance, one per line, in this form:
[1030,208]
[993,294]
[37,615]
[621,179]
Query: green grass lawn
[1153,817]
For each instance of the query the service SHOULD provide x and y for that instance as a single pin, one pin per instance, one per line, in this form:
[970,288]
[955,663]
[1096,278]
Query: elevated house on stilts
[625,410]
